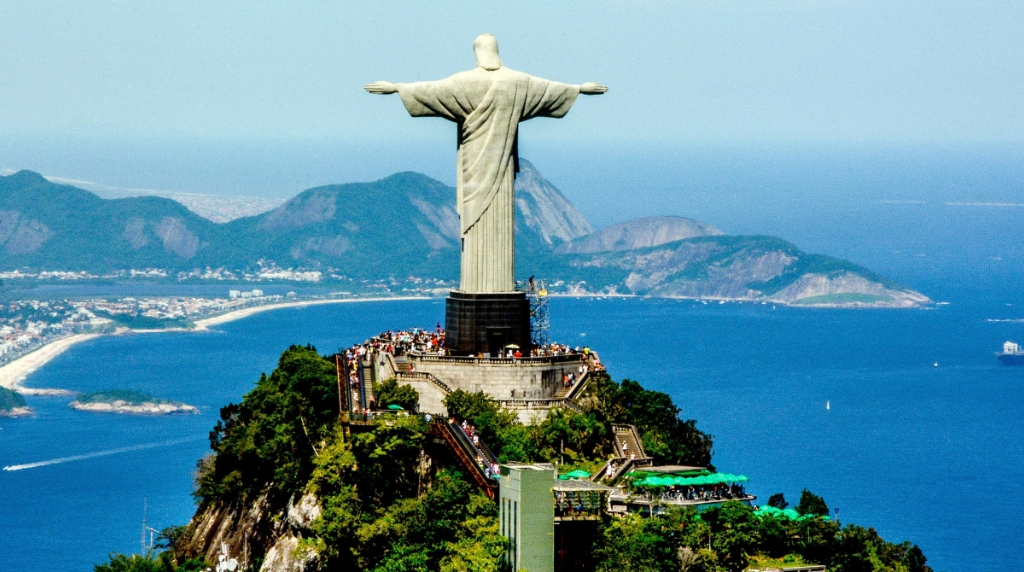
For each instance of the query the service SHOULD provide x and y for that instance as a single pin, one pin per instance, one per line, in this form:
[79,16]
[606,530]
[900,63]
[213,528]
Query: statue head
[485,48]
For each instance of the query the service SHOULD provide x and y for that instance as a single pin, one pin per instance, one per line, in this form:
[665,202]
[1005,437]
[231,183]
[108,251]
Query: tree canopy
[392,499]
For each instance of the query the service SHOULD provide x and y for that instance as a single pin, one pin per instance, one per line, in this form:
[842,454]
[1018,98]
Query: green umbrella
[394,407]
[577,474]
[653,482]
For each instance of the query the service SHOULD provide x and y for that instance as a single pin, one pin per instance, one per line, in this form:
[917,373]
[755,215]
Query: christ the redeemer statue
[488,103]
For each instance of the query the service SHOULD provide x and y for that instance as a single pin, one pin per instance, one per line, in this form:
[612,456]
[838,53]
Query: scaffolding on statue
[537,294]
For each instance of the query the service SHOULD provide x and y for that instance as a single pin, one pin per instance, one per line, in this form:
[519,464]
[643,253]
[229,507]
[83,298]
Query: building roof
[671,469]
[576,486]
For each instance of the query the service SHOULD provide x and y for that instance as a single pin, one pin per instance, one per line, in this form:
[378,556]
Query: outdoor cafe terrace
[653,491]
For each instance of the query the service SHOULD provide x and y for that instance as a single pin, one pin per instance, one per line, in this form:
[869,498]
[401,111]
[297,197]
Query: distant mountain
[406,226]
[44,225]
[541,210]
[737,268]
[638,233]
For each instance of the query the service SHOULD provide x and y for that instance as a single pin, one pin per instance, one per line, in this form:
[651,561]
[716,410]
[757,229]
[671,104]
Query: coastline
[18,412]
[205,323]
[14,374]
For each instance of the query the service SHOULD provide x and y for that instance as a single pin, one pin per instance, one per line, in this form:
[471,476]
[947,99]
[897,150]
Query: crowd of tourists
[697,493]
[414,340]
[482,455]
[427,342]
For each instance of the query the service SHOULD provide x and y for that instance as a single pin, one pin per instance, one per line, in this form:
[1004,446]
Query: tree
[732,533]
[854,551]
[272,436]
[389,392]
[632,543]
[916,562]
[161,562]
[135,563]
[667,438]
[778,500]
[811,503]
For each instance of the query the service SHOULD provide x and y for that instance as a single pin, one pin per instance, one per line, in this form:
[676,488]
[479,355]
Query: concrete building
[527,515]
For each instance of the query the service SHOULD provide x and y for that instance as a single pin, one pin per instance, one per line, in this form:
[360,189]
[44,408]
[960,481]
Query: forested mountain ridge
[405,226]
[60,227]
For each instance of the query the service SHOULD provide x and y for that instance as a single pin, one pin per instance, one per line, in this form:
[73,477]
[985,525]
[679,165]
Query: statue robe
[488,106]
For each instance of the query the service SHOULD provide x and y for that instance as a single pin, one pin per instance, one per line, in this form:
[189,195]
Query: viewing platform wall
[502,379]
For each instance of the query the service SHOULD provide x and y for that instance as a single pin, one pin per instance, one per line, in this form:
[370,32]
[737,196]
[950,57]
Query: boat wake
[118,451]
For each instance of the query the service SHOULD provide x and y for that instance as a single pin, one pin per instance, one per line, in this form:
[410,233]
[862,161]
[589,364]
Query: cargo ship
[1011,354]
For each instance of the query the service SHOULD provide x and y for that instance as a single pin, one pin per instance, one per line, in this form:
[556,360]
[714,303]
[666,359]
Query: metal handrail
[472,359]
[427,376]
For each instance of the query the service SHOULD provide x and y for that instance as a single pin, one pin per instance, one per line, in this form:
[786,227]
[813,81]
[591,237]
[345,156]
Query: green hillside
[406,226]
[58,227]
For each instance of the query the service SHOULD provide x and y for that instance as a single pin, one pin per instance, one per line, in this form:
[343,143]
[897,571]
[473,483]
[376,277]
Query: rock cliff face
[544,210]
[128,408]
[638,233]
[253,534]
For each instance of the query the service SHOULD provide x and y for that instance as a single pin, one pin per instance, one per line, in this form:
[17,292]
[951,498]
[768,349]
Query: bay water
[922,437]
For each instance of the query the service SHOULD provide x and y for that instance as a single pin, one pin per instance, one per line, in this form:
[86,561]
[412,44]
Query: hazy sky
[696,70]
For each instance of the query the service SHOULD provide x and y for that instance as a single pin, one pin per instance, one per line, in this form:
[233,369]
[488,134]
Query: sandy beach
[12,375]
[205,323]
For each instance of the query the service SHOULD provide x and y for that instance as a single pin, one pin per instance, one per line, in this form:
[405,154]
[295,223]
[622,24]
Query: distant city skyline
[693,71]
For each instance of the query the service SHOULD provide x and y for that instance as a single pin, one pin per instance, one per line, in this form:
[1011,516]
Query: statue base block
[487,322]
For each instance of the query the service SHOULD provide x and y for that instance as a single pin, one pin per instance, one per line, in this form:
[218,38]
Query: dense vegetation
[10,399]
[726,538]
[568,437]
[392,500]
[273,436]
[129,396]
[140,322]
[389,392]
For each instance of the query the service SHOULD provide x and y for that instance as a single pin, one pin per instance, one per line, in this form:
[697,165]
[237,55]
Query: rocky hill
[638,233]
[406,226]
[738,268]
[59,227]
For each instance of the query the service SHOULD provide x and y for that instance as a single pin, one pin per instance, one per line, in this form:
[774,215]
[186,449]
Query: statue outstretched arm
[382,87]
[589,88]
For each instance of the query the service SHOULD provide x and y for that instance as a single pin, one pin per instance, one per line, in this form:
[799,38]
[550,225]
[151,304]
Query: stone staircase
[629,451]
[474,457]
[627,442]
[366,380]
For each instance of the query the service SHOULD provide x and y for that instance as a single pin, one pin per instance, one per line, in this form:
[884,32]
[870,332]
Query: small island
[12,404]
[126,401]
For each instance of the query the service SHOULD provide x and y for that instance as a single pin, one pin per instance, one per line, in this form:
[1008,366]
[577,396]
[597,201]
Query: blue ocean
[922,437]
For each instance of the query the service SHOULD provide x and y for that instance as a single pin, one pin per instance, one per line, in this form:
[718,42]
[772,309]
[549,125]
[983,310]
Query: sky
[685,70]
[816,120]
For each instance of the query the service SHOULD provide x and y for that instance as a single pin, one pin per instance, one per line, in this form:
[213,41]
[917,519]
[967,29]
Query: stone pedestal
[487,322]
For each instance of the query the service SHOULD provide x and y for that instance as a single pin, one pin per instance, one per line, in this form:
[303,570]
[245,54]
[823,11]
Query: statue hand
[382,87]
[591,88]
